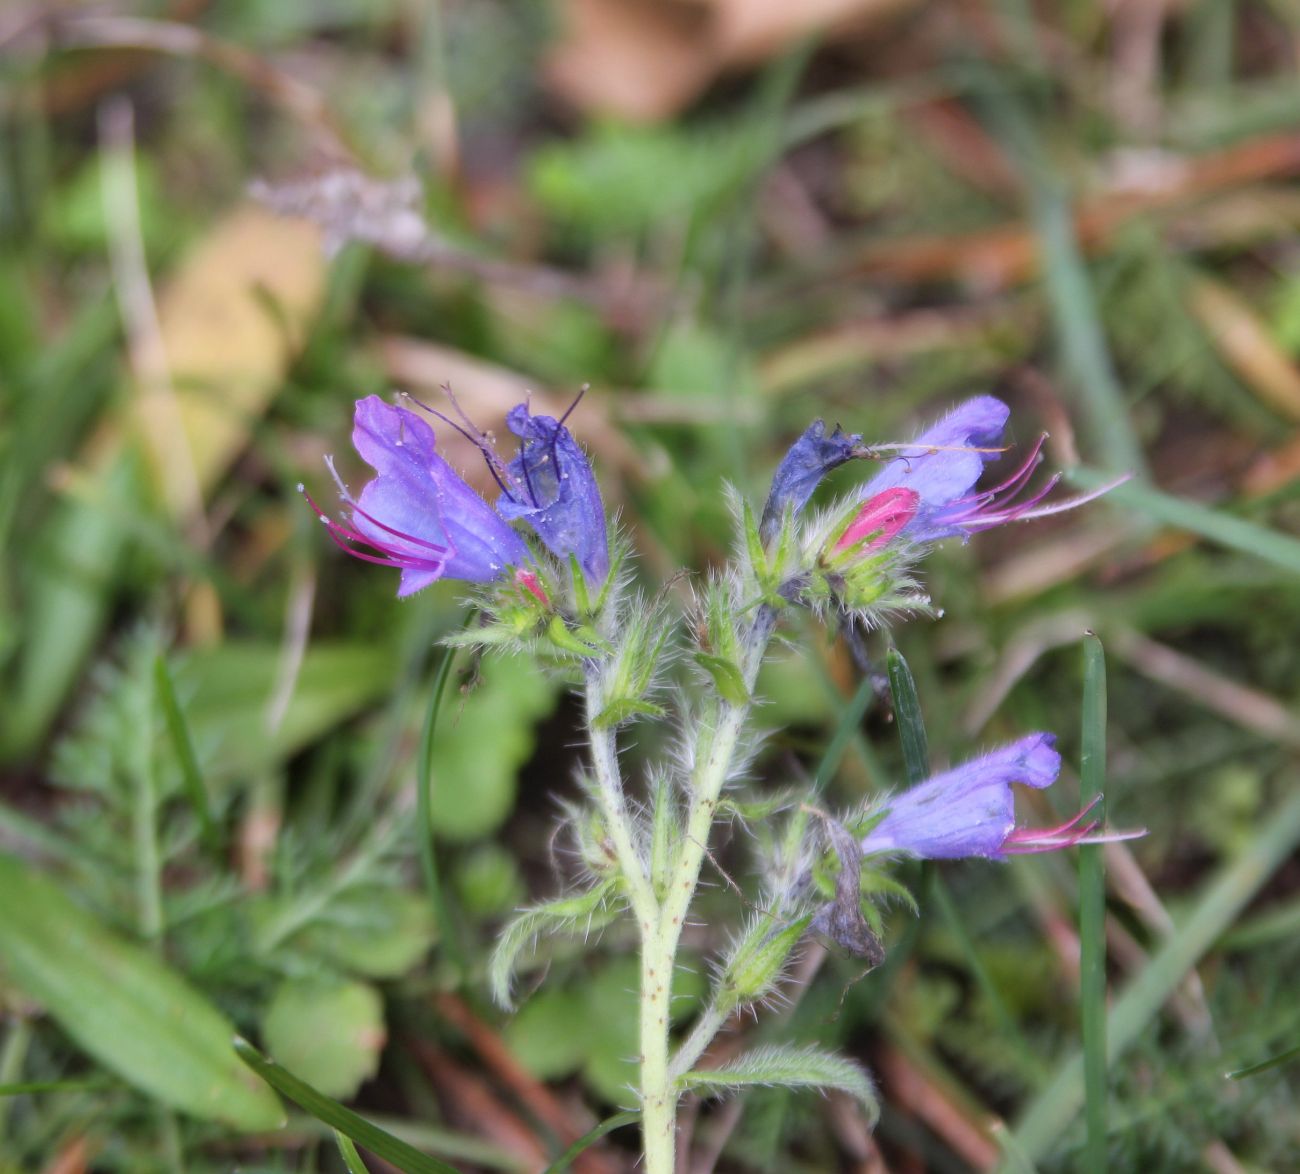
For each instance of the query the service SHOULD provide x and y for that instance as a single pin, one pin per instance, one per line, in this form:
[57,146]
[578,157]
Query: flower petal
[944,463]
[967,811]
[418,502]
[554,490]
[801,470]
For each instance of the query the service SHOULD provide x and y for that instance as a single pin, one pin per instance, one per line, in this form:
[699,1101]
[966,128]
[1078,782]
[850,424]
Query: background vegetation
[728,221]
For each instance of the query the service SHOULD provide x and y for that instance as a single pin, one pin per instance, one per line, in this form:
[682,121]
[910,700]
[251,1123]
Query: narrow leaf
[563,915]
[1092,911]
[380,1143]
[179,732]
[911,724]
[789,1067]
[423,809]
[588,1139]
[726,676]
[351,1158]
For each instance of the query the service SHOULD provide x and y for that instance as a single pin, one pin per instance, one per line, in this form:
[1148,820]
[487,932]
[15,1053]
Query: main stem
[717,741]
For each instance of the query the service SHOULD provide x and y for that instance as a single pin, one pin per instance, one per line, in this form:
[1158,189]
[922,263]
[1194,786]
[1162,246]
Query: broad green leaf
[377,932]
[228,690]
[124,1005]
[483,738]
[331,1032]
[788,1067]
[550,1034]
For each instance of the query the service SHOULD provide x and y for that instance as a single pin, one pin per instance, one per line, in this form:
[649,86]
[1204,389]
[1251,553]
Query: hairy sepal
[637,657]
[666,831]
[758,960]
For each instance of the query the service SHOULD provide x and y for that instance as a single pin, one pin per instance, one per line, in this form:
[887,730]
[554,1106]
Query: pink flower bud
[879,518]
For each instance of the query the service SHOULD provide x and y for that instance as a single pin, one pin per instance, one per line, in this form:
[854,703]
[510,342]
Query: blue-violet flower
[970,810]
[417,513]
[551,486]
[943,465]
[801,470]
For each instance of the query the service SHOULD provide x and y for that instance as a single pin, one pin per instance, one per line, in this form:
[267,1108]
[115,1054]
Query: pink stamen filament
[345,536]
[1027,841]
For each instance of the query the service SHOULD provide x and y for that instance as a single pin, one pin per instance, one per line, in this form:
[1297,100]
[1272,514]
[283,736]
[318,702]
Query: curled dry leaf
[647,59]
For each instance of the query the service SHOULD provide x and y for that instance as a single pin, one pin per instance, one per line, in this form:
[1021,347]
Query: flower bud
[871,526]
[758,961]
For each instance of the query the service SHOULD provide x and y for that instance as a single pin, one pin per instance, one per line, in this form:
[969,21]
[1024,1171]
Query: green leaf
[624,709]
[481,744]
[373,931]
[549,1036]
[380,1143]
[125,1006]
[726,676]
[183,747]
[351,1158]
[911,724]
[563,915]
[332,1031]
[230,688]
[788,1067]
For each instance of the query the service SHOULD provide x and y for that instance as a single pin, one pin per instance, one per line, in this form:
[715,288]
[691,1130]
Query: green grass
[231,756]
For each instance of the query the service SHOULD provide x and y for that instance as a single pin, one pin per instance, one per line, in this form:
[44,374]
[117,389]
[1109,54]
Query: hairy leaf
[789,1067]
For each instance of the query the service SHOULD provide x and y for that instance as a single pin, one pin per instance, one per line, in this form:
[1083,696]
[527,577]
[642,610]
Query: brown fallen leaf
[1247,346]
[637,59]
[748,32]
[645,60]
[231,318]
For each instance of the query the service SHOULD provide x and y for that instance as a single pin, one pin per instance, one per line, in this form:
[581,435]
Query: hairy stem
[717,743]
[609,784]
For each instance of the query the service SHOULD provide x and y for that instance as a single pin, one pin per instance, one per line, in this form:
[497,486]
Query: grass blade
[907,713]
[423,813]
[1227,530]
[565,1160]
[1221,901]
[352,1125]
[179,732]
[351,1158]
[1092,910]
[845,730]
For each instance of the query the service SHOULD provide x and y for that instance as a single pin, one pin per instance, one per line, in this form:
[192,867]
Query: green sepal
[665,836]
[754,546]
[726,676]
[758,961]
[624,709]
[491,636]
[581,596]
[581,642]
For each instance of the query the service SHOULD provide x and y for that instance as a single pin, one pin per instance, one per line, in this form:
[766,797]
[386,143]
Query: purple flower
[943,465]
[801,470]
[417,513]
[967,811]
[550,486]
